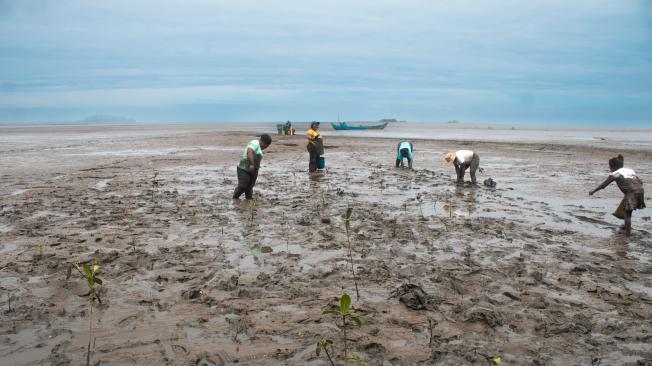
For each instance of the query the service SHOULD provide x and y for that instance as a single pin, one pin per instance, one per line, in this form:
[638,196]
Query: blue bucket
[322,163]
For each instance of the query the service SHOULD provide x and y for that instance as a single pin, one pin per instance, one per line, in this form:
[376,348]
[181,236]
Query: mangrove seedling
[432,323]
[325,344]
[90,274]
[252,209]
[357,360]
[222,223]
[344,314]
[347,225]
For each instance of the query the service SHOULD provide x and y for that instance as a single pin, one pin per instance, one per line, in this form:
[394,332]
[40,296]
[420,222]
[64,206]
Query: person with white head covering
[631,186]
[463,160]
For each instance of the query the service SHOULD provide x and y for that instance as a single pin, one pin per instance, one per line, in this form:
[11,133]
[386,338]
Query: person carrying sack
[247,169]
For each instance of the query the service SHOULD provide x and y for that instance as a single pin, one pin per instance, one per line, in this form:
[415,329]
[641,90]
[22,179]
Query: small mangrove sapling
[344,314]
[90,274]
[347,225]
[252,209]
[325,344]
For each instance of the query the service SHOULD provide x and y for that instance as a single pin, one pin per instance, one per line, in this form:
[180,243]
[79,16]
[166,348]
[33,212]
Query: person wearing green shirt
[249,164]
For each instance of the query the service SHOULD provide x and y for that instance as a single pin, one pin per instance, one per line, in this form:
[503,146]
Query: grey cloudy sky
[561,62]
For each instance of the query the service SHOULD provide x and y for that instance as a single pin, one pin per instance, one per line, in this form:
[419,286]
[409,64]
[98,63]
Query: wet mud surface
[532,271]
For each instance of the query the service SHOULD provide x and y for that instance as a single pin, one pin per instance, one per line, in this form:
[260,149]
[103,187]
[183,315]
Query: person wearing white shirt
[631,186]
[463,160]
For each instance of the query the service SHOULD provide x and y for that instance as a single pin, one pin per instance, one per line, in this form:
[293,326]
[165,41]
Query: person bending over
[631,186]
[404,150]
[249,164]
[463,160]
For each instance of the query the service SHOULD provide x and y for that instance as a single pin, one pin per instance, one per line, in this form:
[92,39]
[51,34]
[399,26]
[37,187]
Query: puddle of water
[101,185]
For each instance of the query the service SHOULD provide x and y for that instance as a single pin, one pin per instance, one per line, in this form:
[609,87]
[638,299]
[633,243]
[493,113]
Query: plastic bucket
[322,163]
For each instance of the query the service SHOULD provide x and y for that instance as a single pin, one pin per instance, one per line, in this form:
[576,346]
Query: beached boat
[344,126]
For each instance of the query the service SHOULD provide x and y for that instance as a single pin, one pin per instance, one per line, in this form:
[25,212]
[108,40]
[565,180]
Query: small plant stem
[355,280]
[90,333]
[329,356]
[344,339]
[430,329]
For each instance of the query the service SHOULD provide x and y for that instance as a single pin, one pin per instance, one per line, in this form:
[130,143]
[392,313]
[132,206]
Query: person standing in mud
[463,160]
[248,167]
[315,147]
[404,150]
[631,185]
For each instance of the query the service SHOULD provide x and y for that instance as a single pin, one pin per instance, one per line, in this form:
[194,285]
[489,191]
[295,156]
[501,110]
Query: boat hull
[342,126]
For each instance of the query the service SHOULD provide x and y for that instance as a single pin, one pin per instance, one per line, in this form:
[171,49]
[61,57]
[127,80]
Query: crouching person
[249,165]
[404,150]
[463,160]
[631,186]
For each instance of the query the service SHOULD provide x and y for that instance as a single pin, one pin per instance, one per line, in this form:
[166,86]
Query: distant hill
[107,118]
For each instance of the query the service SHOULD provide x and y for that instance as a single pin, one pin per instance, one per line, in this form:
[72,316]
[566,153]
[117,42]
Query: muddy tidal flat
[531,272]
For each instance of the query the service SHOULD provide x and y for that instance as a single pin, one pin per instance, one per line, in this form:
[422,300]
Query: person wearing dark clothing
[631,186]
[404,150]
[315,147]
[247,169]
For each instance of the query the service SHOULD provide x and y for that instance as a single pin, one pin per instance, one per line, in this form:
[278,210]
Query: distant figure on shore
[631,185]
[404,150]
[463,160]
[249,164]
[288,128]
[315,147]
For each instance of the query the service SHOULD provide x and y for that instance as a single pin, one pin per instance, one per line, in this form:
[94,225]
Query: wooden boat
[344,126]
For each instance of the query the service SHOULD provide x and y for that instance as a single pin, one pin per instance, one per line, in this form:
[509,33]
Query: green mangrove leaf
[345,303]
[347,214]
[356,320]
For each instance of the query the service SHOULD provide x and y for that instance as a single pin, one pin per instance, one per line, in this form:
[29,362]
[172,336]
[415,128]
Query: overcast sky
[553,62]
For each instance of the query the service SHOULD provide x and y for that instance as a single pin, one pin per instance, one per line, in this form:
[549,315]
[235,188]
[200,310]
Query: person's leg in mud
[475,163]
[249,191]
[243,183]
[460,170]
[405,153]
[627,226]
[314,158]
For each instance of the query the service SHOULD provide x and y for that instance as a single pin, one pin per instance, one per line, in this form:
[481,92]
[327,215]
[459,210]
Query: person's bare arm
[250,157]
[603,185]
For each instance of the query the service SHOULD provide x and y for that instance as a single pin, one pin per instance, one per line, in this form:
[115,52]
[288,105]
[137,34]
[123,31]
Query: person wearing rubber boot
[631,186]
[248,167]
[463,160]
[404,150]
